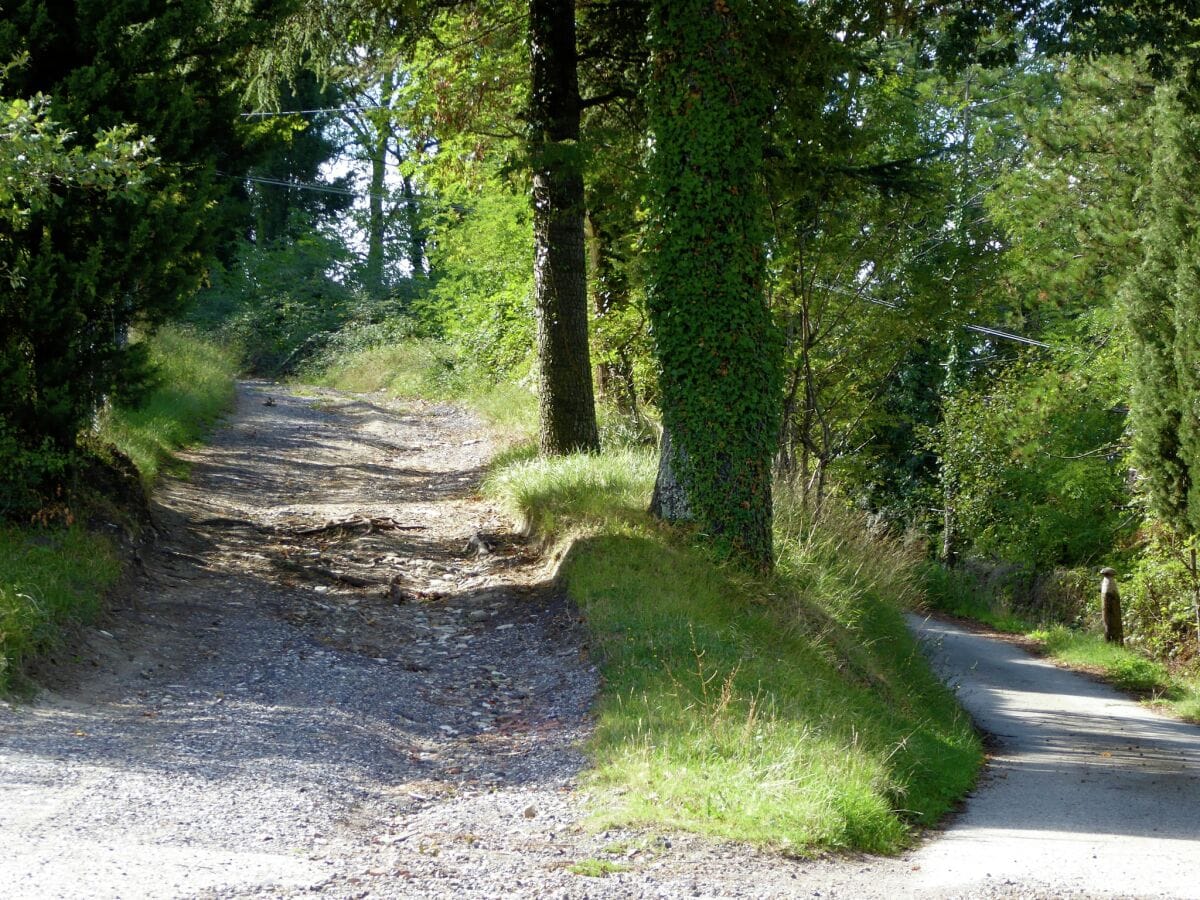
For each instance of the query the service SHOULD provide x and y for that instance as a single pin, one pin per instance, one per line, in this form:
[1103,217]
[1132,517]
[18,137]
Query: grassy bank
[1176,692]
[793,711]
[196,385]
[52,578]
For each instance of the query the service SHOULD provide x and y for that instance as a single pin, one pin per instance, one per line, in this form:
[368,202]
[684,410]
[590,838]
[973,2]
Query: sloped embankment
[794,711]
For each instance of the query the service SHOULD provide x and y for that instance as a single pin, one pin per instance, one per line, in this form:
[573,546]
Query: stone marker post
[1110,607]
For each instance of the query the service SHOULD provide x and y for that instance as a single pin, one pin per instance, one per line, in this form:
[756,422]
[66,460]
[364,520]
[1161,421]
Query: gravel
[273,710]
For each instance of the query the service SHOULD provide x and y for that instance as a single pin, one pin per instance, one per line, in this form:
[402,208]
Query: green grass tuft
[596,868]
[558,495]
[794,711]
[196,385]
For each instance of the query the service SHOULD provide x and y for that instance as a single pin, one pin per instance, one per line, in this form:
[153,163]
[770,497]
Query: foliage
[1157,599]
[717,347]
[45,400]
[1160,303]
[791,711]
[482,300]
[92,256]
[278,306]
[1035,462]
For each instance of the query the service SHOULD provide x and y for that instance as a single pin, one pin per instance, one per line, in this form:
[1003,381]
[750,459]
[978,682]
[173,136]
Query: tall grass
[793,711]
[195,386]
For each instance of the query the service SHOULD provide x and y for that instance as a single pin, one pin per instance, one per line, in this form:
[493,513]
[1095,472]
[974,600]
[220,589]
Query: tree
[39,163]
[567,403]
[713,334]
[100,261]
[1162,303]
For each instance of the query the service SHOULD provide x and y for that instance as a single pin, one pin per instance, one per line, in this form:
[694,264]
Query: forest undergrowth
[792,711]
[54,571]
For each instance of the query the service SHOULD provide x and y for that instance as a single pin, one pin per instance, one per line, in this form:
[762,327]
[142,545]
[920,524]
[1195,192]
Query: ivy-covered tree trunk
[566,401]
[716,344]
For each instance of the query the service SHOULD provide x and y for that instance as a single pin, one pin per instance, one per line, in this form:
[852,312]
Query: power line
[324,188]
[266,113]
[980,329]
[1007,335]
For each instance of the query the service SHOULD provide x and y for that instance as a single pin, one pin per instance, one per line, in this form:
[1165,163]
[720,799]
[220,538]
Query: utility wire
[324,188]
[980,329]
[266,113]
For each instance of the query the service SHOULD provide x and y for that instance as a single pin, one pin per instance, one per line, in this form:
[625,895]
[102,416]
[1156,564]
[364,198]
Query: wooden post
[1110,607]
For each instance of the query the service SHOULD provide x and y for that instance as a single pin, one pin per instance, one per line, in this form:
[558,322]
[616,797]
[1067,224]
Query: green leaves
[714,338]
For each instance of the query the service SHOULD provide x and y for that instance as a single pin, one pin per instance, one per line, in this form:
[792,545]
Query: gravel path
[319,686]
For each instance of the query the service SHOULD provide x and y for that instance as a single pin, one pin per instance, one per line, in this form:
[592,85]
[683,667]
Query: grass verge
[52,578]
[195,386]
[793,711]
[1122,666]
[47,580]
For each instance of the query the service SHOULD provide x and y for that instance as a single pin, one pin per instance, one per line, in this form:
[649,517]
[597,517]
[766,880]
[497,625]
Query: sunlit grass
[423,369]
[48,580]
[793,711]
[196,385]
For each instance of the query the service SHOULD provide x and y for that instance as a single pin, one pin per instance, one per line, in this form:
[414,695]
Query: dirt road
[320,687]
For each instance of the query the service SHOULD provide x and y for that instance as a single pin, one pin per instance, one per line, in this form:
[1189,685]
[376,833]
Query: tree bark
[376,220]
[670,501]
[416,234]
[566,401]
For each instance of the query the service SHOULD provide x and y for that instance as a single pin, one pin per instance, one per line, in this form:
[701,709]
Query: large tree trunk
[717,346]
[670,501]
[566,401]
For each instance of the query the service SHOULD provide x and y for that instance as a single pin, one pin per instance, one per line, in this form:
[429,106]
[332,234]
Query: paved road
[1087,791]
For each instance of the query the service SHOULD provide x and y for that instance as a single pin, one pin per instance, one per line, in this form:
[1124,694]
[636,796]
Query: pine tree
[1161,302]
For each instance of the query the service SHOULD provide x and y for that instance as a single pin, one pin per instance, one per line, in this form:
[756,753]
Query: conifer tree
[1161,304]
